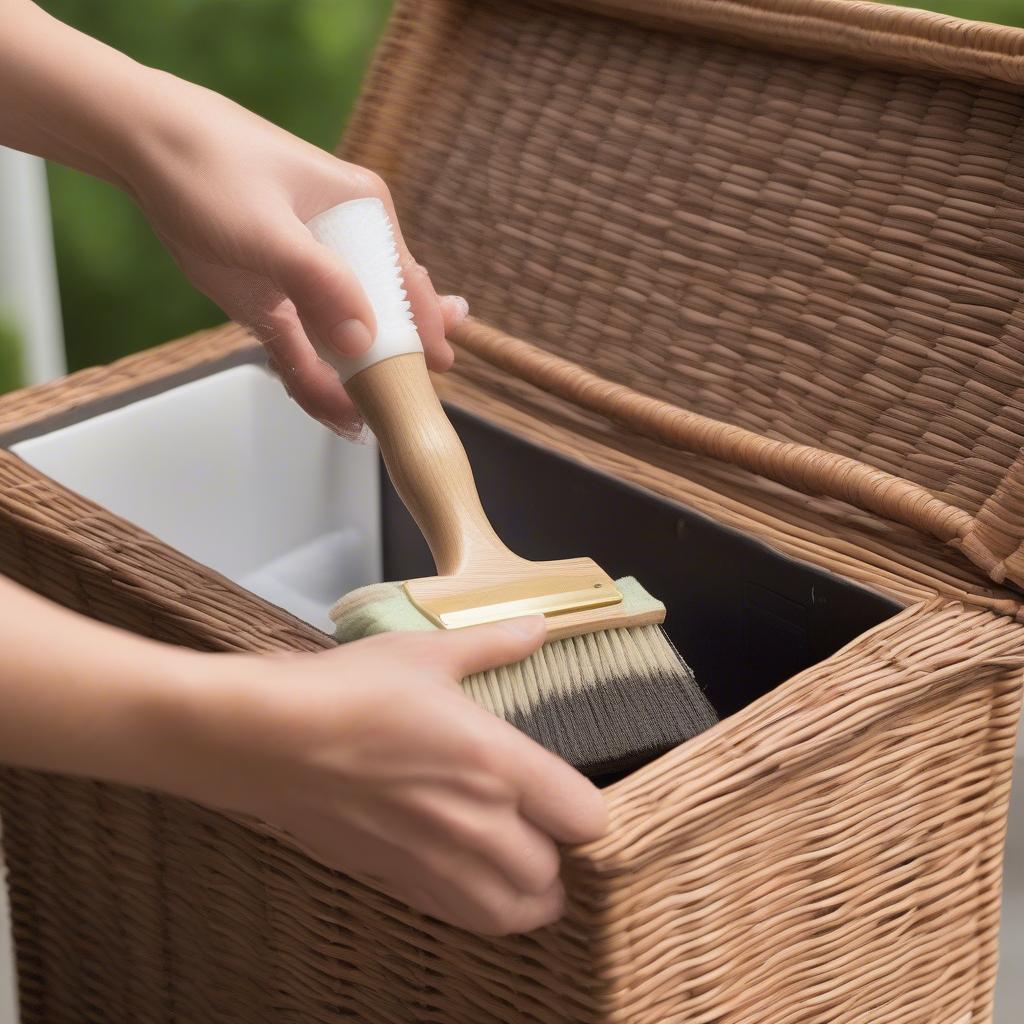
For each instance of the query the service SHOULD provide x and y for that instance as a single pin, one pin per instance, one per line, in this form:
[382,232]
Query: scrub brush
[607,691]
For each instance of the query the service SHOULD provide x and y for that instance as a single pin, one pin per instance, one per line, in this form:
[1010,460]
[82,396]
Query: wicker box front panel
[830,855]
[834,864]
[815,250]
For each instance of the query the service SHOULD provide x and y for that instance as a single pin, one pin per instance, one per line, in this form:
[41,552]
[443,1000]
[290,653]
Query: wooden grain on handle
[427,463]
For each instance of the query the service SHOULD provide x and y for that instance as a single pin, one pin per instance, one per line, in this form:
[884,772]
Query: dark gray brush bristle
[605,702]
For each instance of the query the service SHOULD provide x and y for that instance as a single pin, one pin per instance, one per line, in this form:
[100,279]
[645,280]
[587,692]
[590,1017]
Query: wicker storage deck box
[758,257]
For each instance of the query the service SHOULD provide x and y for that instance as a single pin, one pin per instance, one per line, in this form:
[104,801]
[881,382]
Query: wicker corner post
[762,257]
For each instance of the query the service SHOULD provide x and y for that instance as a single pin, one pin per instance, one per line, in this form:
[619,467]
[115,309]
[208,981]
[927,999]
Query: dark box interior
[744,616]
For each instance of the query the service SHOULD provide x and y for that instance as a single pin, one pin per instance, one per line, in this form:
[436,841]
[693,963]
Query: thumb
[331,304]
[477,648]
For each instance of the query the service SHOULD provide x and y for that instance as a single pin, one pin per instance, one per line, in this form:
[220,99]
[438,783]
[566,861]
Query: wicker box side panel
[814,250]
[85,869]
[834,855]
[130,907]
[75,552]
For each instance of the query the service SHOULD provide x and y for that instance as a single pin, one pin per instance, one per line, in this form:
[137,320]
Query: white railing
[28,275]
[30,299]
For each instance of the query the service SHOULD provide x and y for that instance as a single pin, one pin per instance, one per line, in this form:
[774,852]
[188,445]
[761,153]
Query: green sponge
[386,608]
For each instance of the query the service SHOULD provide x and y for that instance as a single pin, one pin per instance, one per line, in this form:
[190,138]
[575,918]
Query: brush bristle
[606,702]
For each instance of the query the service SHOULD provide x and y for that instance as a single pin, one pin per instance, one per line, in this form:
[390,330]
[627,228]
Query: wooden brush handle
[427,464]
[391,387]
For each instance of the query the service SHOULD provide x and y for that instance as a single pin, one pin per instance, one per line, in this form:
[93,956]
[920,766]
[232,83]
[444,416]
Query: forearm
[82,698]
[68,97]
[370,755]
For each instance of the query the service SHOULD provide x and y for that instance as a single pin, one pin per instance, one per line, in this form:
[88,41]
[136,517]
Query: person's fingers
[313,384]
[449,868]
[525,856]
[559,800]
[508,912]
[262,308]
[433,874]
[554,796]
[321,294]
[472,897]
[454,309]
[426,309]
[334,310]
[462,652]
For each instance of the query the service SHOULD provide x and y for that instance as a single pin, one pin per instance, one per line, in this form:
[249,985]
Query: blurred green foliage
[12,369]
[296,62]
[1002,12]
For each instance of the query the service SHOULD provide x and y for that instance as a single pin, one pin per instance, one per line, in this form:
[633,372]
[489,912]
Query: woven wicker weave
[816,251]
[773,215]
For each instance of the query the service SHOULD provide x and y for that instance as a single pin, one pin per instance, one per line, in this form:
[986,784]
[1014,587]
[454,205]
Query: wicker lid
[814,247]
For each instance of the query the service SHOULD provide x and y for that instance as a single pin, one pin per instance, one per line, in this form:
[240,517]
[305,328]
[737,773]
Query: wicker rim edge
[44,407]
[875,33]
[992,540]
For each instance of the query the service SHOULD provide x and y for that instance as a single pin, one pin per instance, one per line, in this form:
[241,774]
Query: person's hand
[375,761]
[229,194]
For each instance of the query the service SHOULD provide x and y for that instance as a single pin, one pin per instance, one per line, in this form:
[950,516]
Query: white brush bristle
[360,232]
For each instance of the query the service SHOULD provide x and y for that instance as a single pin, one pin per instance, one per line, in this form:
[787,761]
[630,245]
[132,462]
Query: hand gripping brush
[607,691]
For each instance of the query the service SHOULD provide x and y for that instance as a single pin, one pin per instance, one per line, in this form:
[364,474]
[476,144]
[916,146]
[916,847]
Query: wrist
[150,698]
[130,138]
[64,92]
[71,98]
[209,726]
[164,116]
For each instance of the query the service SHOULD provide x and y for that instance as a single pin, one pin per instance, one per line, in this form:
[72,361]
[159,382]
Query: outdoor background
[296,62]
